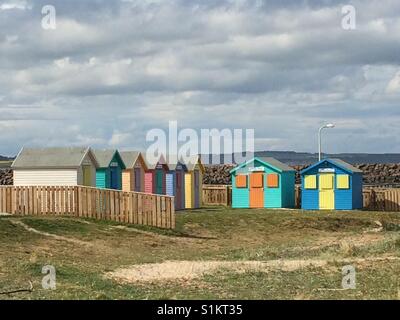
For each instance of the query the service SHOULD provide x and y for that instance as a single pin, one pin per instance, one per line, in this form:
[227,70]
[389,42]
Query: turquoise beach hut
[263,183]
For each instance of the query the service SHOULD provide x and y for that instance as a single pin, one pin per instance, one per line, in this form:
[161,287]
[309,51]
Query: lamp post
[326,126]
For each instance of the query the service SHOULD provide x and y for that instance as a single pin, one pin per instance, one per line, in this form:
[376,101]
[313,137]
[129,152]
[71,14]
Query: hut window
[241,181]
[342,181]
[310,182]
[273,180]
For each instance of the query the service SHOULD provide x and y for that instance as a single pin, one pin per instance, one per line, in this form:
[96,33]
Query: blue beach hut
[331,184]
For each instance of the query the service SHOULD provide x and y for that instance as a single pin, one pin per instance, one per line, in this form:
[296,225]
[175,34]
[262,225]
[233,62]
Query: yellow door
[188,191]
[87,176]
[326,191]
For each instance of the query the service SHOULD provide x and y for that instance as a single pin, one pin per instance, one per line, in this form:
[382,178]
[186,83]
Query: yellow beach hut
[194,183]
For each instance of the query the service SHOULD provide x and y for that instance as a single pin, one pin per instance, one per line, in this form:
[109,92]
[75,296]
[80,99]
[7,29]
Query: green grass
[214,233]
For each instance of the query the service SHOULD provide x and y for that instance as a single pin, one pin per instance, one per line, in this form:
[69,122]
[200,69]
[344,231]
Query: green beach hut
[109,172]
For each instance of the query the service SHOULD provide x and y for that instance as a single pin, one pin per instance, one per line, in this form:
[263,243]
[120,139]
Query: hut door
[178,195]
[113,178]
[148,185]
[159,182]
[87,176]
[326,191]
[257,190]
[169,181]
[196,189]
[138,180]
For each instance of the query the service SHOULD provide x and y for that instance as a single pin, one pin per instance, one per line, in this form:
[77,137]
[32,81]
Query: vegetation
[84,252]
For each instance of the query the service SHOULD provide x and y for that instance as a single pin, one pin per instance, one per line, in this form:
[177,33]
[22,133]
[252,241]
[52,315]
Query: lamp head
[330,125]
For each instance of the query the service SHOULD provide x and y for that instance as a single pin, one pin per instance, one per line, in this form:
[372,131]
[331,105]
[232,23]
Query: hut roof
[71,157]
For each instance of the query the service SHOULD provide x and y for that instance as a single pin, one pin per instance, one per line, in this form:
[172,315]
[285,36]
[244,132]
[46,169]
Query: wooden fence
[374,198]
[217,195]
[86,202]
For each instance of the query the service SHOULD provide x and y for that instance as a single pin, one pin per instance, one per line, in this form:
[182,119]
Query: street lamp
[326,126]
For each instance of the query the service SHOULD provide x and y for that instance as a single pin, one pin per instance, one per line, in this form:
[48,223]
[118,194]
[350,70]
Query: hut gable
[327,163]
[131,158]
[105,158]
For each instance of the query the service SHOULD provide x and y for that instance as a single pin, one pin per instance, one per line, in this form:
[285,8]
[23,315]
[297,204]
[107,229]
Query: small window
[241,181]
[272,180]
[342,181]
[310,182]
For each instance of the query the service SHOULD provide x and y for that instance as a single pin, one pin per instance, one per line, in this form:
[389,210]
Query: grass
[209,234]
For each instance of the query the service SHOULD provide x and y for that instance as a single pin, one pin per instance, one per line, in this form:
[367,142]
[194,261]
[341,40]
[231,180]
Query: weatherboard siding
[148,184]
[170,183]
[272,196]
[127,181]
[101,178]
[48,177]
[357,191]
[240,196]
[288,194]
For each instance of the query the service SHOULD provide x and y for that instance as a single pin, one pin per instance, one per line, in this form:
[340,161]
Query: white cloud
[15,4]
[394,84]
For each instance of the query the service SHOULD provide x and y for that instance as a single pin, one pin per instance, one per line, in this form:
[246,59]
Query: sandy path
[184,270]
[46,234]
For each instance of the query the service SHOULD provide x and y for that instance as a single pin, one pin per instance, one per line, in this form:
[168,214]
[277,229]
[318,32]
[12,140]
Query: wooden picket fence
[217,195]
[374,198]
[381,199]
[86,202]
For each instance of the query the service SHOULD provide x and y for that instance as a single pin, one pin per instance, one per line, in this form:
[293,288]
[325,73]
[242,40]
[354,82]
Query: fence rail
[374,198]
[102,204]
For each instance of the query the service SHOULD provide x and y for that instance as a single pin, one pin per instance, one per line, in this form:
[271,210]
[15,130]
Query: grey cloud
[114,69]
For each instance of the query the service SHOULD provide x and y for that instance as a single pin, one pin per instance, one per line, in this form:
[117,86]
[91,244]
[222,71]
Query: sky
[111,70]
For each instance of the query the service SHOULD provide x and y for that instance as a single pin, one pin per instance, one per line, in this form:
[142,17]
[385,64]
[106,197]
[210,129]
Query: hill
[304,158]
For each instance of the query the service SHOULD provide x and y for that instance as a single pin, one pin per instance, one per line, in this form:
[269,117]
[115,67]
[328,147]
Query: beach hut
[133,175]
[175,182]
[109,172]
[55,167]
[331,184]
[194,183]
[263,183]
[154,177]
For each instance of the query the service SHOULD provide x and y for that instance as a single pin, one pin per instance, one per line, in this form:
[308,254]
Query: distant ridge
[304,158]
[3,158]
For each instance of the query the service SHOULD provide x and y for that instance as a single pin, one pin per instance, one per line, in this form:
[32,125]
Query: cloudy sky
[113,69]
